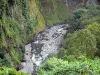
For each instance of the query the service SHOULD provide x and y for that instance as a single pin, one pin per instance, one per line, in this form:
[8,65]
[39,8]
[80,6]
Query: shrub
[80,42]
[54,11]
[10,71]
[84,66]
[84,16]
[95,30]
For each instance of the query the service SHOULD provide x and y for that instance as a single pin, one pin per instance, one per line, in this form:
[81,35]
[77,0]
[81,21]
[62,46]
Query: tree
[84,66]
[95,30]
[81,42]
[84,16]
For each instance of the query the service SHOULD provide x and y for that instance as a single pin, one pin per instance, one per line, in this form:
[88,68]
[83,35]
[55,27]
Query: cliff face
[19,21]
[53,11]
[93,2]
[74,4]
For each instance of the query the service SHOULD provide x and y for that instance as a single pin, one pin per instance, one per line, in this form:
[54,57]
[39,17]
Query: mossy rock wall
[53,11]
[19,22]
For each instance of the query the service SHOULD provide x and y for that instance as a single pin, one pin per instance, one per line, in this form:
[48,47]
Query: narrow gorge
[45,45]
[39,37]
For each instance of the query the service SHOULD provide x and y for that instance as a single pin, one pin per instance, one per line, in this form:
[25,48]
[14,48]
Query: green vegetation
[9,71]
[85,16]
[54,11]
[77,46]
[88,19]
[79,52]
[17,20]
[81,66]
[41,22]
[18,25]
[95,30]
[20,20]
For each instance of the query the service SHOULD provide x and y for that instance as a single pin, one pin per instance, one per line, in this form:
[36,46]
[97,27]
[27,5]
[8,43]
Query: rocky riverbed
[46,43]
[27,63]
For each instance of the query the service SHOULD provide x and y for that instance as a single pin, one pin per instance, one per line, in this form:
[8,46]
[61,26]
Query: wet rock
[23,60]
[19,67]
[47,42]
[28,65]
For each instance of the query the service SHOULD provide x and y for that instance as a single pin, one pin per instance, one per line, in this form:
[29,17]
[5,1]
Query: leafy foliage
[10,71]
[95,30]
[16,22]
[82,66]
[75,45]
[78,51]
[85,16]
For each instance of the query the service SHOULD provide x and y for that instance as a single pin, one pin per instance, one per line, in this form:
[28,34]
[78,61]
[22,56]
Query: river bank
[45,45]
[28,63]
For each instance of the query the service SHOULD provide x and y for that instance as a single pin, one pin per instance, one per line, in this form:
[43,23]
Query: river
[45,45]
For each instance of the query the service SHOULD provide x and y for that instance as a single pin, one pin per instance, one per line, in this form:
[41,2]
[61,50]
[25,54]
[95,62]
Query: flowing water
[46,43]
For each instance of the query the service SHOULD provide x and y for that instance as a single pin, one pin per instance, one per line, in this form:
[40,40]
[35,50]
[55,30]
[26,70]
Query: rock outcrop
[74,4]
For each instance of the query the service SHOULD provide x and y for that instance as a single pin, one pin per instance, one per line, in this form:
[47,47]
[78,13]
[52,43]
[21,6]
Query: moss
[15,56]
[41,22]
[17,20]
[54,11]
[3,41]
